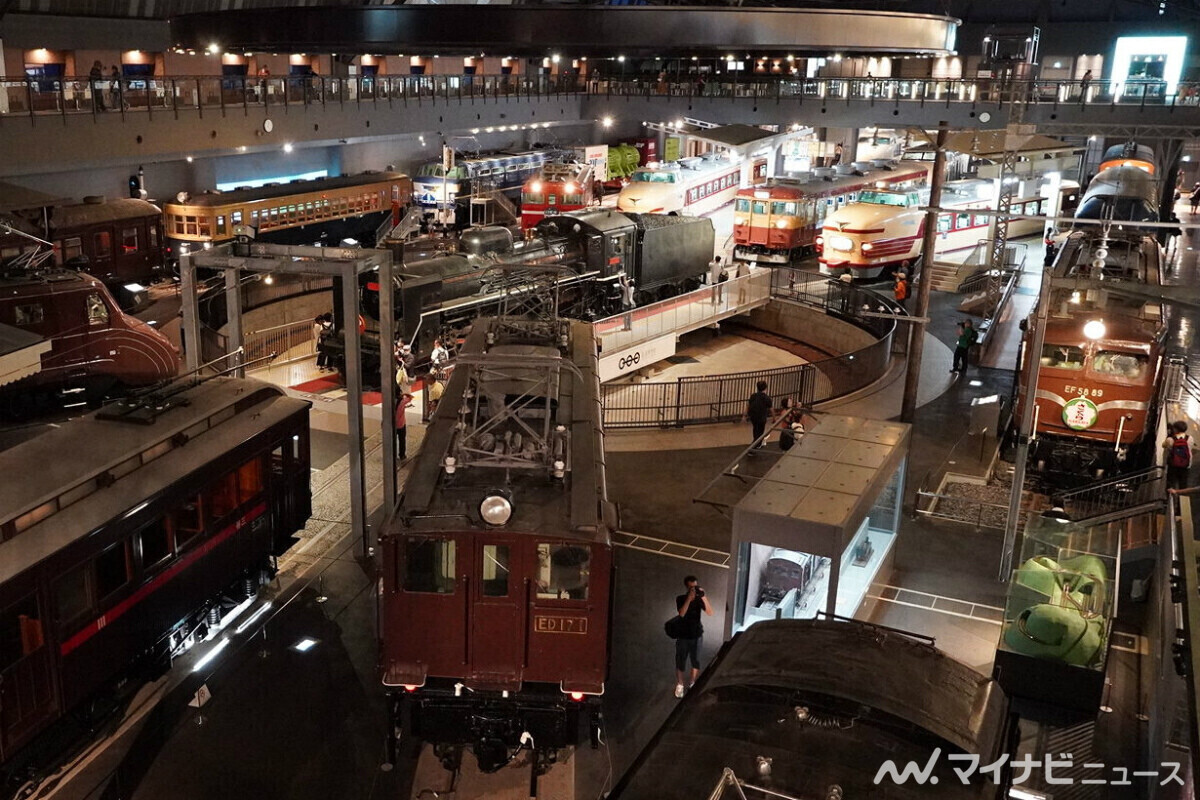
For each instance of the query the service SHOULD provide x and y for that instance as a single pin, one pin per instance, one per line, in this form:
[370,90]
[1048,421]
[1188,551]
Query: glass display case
[819,530]
[1061,602]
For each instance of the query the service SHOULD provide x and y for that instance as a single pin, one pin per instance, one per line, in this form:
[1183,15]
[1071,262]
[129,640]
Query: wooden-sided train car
[119,532]
[495,604]
[818,709]
[1099,376]
[319,211]
[94,345]
[780,219]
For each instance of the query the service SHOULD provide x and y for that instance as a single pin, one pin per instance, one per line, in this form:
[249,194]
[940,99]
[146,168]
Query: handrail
[82,95]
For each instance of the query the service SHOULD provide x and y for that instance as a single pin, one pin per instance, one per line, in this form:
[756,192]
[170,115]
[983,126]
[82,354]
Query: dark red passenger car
[494,614]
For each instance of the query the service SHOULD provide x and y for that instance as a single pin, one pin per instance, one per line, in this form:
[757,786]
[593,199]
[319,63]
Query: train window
[1062,356]
[20,631]
[563,571]
[97,312]
[250,479]
[101,245]
[205,226]
[742,205]
[189,522]
[112,570]
[221,223]
[152,238]
[944,223]
[156,543]
[573,199]
[962,220]
[533,197]
[981,221]
[788,208]
[222,496]
[189,224]
[429,566]
[760,206]
[495,570]
[31,314]
[1129,366]
[71,596]
[235,218]
[36,515]
[72,248]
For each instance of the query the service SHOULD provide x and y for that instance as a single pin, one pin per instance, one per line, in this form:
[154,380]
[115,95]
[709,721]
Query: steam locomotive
[438,294]
[495,602]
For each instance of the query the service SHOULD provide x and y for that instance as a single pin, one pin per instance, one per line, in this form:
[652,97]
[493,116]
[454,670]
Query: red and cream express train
[775,221]
[885,228]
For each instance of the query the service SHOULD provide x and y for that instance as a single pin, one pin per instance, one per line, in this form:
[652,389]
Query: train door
[27,694]
[498,630]
[291,500]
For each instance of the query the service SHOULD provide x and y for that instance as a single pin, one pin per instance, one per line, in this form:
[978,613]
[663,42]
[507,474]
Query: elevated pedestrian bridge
[643,336]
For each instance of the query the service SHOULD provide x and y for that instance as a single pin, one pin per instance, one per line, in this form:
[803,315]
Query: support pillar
[233,327]
[916,345]
[354,409]
[190,309]
[387,380]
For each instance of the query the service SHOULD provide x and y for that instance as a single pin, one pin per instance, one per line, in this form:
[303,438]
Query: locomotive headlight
[537,187]
[570,188]
[867,247]
[495,509]
[1094,329]
[781,223]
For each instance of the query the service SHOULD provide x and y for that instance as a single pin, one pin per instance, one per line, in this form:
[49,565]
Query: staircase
[944,276]
[503,205]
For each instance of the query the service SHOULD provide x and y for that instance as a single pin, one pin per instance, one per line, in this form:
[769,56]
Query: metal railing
[291,341]
[1134,492]
[722,398]
[31,96]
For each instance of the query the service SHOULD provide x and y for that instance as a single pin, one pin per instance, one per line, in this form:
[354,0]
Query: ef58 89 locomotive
[495,606]
[437,296]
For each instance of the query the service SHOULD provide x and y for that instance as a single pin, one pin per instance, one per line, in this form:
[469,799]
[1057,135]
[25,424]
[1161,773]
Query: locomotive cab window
[495,570]
[32,314]
[788,208]
[1117,364]
[72,248]
[742,205]
[129,240]
[20,631]
[563,571]
[760,206]
[1062,356]
[429,566]
[97,312]
[102,245]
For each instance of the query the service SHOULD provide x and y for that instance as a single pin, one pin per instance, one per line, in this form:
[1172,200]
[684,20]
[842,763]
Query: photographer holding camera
[687,646]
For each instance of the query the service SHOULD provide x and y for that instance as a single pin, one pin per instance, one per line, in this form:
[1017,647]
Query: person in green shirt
[967,337]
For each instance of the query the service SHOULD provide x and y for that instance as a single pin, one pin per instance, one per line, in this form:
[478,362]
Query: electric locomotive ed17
[128,533]
[495,603]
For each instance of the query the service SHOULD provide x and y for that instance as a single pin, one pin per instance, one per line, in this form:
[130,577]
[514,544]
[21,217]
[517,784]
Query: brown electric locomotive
[1097,397]
[94,345]
[495,604]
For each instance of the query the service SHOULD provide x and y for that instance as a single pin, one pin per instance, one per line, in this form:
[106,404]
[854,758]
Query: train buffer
[648,334]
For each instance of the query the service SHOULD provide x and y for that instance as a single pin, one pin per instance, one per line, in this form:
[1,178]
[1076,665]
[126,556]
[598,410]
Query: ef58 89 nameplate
[543,624]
